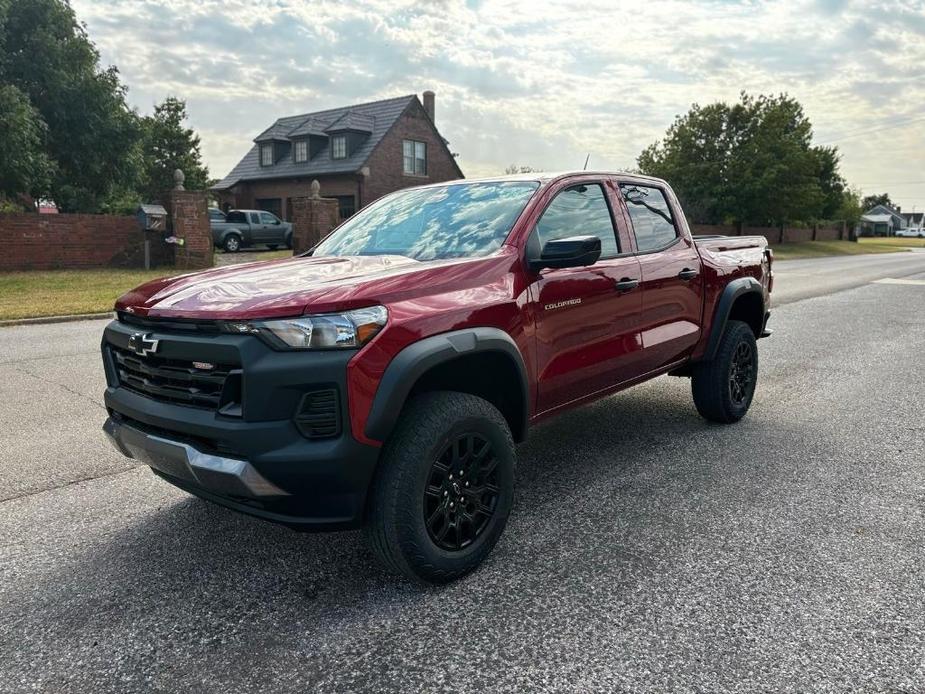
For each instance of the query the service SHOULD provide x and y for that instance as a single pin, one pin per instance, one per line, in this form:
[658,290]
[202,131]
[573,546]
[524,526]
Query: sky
[539,84]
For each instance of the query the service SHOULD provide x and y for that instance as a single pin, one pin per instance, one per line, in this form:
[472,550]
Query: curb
[54,319]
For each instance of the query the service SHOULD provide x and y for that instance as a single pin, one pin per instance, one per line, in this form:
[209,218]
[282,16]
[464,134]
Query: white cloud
[538,83]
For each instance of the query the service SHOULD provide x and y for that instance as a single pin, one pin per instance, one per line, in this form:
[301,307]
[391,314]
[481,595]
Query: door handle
[688,274]
[626,284]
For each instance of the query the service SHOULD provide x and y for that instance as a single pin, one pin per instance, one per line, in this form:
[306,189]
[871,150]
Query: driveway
[647,551]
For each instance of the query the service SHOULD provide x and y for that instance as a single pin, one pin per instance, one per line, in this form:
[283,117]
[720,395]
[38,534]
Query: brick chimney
[429,104]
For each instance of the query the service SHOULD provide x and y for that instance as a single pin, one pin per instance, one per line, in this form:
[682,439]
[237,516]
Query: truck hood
[287,287]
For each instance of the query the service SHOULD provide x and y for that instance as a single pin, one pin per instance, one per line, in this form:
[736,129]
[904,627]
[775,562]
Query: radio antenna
[587,159]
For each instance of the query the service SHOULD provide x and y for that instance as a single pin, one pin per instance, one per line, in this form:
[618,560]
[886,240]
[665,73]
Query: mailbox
[152,217]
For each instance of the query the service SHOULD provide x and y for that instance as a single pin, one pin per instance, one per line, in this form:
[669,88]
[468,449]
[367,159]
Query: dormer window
[301,150]
[266,155]
[339,147]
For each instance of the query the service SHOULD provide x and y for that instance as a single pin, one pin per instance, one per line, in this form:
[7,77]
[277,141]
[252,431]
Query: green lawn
[818,249]
[65,292]
[892,241]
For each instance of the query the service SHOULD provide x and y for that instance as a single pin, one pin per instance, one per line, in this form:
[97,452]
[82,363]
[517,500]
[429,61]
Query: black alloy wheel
[741,374]
[461,494]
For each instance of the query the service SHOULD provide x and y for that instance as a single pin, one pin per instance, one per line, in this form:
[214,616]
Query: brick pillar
[189,220]
[312,218]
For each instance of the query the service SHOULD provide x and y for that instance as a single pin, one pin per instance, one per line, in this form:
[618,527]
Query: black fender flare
[419,357]
[735,289]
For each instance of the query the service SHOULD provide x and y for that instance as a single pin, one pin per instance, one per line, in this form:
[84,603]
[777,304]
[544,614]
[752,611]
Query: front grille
[172,380]
[177,324]
[318,416]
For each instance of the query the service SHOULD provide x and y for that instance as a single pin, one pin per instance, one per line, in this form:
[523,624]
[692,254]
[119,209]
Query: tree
[514,169]
[91,133]
[24,167]
[851,207]
[167,145]
[750,162]
[870,201]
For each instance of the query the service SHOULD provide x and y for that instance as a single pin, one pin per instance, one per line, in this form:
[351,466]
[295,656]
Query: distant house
[357,153]
[914,220]
[881,220]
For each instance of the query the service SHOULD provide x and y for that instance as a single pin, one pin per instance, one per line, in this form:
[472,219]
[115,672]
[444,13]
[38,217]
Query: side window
[579,211]
[653,223]
[267,218]
[237,217]
[255,218]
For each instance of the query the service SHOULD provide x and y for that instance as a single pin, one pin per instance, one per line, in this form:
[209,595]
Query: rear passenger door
[672,283]
[587,327]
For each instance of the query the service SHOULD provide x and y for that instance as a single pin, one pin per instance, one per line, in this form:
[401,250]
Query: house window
[266,155]
[339,147]
[414,157]
[301,150]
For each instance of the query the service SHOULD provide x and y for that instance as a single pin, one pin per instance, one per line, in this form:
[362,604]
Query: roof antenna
[587,159]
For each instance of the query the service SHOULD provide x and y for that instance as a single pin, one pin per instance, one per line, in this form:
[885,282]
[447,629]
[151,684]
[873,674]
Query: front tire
[444,488]
[723,387]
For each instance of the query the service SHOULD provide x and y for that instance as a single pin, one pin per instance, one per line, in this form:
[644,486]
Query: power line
[872,130]
[887,183]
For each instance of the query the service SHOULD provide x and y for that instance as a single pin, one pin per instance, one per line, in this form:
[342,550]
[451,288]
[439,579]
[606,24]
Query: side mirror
[574,251]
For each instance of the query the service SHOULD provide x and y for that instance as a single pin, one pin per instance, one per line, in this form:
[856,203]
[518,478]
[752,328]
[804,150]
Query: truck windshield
[461,220]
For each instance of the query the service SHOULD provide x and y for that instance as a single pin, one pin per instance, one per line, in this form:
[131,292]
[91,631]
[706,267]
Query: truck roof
[545,176]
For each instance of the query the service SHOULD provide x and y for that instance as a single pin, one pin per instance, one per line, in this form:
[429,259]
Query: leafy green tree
[24,167]
[851,207]
[749,162]
[167,145]
[91,132]
[873,200]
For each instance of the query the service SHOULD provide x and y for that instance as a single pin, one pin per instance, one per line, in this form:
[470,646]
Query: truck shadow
[196,561]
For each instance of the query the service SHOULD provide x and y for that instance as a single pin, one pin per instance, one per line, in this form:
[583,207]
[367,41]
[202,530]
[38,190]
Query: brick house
[357,153]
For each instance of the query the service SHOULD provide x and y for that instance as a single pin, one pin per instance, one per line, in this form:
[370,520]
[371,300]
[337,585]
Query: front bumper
[258,462]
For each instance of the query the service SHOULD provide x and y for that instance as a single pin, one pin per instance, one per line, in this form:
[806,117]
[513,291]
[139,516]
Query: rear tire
[723,387]
[232,243]
[444,487]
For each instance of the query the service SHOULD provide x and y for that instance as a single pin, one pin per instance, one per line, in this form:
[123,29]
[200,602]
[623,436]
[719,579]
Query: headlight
[350,329]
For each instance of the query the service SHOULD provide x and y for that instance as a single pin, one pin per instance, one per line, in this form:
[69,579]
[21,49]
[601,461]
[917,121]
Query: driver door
[587,318]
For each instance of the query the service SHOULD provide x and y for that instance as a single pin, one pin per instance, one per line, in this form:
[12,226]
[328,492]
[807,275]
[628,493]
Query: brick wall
[71,241]
[189,220]
[312,220]
[776,235]
[83,241]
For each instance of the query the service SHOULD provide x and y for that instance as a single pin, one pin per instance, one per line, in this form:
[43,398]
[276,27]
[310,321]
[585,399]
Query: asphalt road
[647,551]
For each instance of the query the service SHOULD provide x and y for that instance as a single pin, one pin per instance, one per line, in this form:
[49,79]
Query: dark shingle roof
[352,120]
[375,118]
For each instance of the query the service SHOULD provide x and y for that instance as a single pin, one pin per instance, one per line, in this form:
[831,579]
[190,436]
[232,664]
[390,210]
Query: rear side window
[580,210]
[255,218]
[237,218]
[653,223]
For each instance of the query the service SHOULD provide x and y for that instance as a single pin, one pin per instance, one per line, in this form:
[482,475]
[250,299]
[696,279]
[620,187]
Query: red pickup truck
[383,378]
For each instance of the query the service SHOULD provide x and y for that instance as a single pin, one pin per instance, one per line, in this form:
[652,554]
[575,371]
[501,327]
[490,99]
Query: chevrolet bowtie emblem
[142,344]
